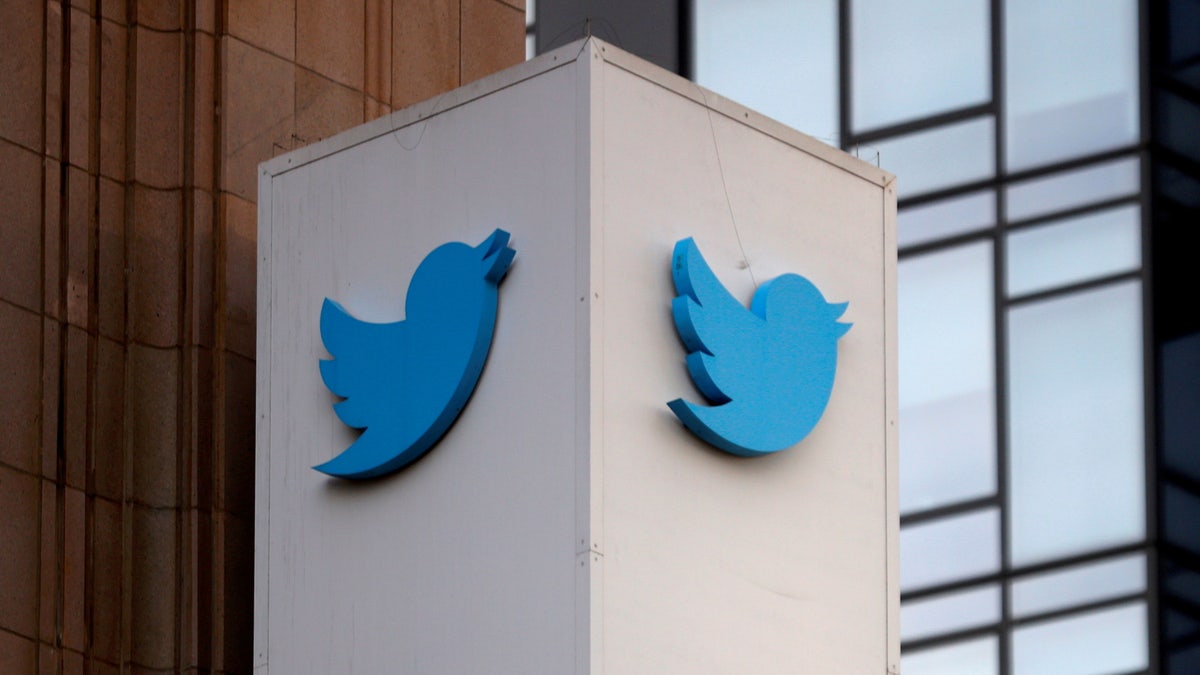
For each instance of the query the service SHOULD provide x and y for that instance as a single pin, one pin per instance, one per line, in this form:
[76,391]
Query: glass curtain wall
[1015,130]
[1174,73]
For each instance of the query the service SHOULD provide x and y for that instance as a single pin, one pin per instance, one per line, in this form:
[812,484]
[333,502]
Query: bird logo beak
[497,256]
[836,310]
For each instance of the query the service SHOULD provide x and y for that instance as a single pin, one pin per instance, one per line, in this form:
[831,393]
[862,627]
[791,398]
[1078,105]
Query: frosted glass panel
[974,657]
[946,218]
[1071,77]
[776,56]
[947,377]
[1075,250]
[1107,641]
[950,612]
[949,549]
[917,58]
[1076,460]
[939,158]
[1073,188]
[1079,585]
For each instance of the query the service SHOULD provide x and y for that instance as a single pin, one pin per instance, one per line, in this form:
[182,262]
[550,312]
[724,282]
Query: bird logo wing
[768,369]
[712,324]
[406,382]
[354,371]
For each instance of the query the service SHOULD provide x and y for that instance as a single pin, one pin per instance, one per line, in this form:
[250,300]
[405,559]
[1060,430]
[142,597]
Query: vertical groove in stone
[125,633]
[43,198]
[208,563]
[218,377]
[213,461]
[185,589]
[207,611]
[93,333]
[64,247]
[187,655]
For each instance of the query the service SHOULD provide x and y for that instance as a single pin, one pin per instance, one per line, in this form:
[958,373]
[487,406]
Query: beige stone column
[130,133]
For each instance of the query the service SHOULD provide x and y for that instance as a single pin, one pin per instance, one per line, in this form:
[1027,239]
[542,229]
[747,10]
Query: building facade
[1049,190]
[1049,180]
[130,135]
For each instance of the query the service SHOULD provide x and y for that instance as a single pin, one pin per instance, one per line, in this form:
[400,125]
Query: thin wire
[605,23]
[725,187]
[582,23]
[870,148]
[584,26]
[424,120]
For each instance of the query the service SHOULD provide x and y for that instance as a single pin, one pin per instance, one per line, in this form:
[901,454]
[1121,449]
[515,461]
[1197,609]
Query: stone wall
[130,133]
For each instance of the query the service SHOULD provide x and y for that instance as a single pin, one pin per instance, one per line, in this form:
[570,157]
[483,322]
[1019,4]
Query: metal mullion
[1146,87]
[962,584]
[1091,556]
[845,74]
[985,233]
[949,192]
[1077,287]
[1000,327]
[1182,480]
[1174,87]
[1058,564]
[1180,555]
[1080,162]
[1083,608]
[1184,642]
[926,123]
[1176,160]
[1093,207]
[943,639]
[998,186]
[948,511]
[1002,180]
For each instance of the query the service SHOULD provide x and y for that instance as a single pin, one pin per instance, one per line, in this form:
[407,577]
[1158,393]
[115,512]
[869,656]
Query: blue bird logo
[406,382]
[768,370]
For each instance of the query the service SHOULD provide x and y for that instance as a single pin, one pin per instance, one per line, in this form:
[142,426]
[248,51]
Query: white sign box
[567,521]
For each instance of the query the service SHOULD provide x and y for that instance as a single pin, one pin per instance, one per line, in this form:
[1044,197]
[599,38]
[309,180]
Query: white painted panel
[714,563]
[567,521]
[466,560]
